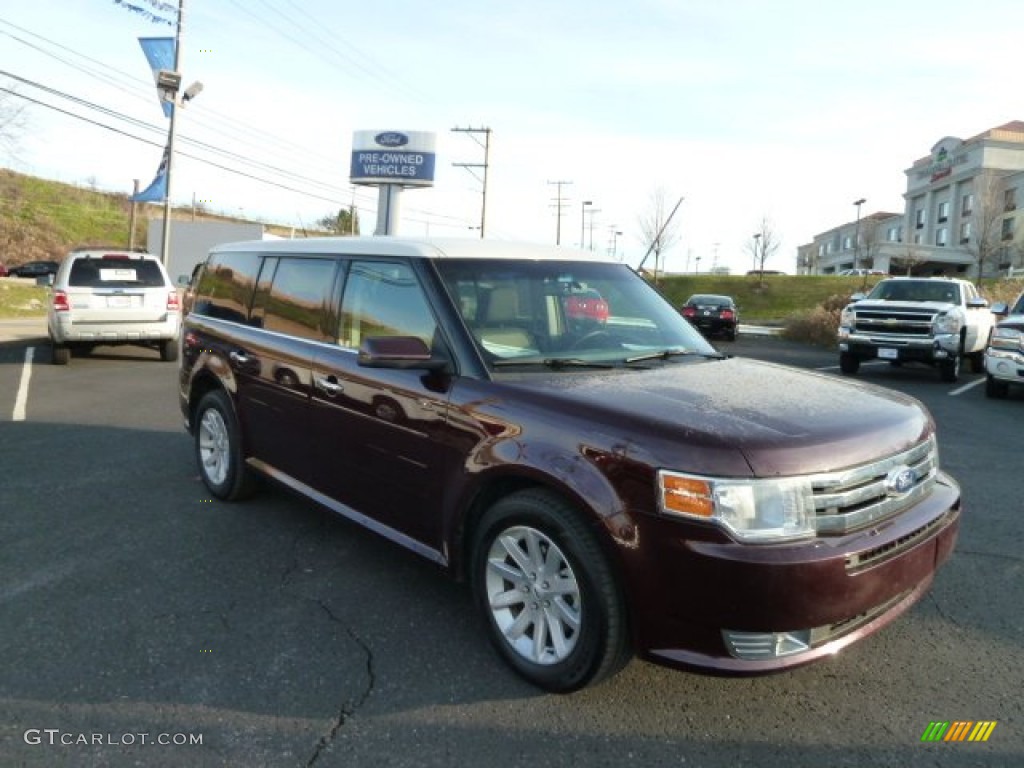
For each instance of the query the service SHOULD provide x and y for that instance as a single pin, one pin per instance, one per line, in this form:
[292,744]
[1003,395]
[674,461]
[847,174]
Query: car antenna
[657,237]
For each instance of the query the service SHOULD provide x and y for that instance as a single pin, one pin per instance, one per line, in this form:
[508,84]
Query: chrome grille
[853,498]
[901,321]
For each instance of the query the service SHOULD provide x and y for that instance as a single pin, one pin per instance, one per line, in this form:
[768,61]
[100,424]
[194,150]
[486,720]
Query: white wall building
[962,205]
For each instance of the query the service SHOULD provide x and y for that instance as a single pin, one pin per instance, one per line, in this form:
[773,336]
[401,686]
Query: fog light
[766,645]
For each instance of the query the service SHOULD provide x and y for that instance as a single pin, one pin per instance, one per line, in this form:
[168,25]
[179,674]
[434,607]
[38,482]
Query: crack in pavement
[349,708]
[996,555]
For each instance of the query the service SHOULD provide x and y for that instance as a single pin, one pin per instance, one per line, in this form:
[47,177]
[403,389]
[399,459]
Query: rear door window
[297,304]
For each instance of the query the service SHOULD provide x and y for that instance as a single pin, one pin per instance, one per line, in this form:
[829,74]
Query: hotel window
[847,243]
[1007,232]
[917,238]
[919,218]
[1010,199]
[965,233]
[893,234]
[940,236]
[944,211]
[967,207]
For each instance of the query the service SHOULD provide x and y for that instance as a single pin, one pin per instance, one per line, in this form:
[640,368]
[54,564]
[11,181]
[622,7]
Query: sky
[744,110]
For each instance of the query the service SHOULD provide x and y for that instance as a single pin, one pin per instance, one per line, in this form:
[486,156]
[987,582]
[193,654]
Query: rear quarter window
[226,286]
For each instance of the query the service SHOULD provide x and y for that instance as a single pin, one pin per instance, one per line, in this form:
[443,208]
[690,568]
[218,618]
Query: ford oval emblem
[391,139]
[900,480]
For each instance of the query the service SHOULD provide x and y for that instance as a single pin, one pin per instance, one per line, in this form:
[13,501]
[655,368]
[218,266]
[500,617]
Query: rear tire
[169,350]
[977,360]
[218,446]
[848,363]
[61,354]
[549,597]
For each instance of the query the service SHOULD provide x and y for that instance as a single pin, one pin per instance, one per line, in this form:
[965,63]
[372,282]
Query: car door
[382,435]
[291,313]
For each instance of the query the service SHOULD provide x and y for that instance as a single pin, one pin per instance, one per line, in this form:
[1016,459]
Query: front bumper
[904,348]
[1005,365]
[832,590]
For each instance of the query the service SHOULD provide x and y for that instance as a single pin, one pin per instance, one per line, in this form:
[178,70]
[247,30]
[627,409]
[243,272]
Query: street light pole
[165,248]
[856,234]
[583,217]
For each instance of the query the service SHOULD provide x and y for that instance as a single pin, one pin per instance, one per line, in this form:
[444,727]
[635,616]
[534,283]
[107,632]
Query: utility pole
[486,144]
[559,204]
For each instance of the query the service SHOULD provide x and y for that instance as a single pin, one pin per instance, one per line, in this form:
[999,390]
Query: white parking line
[26,374]
[966,387]
[863,365]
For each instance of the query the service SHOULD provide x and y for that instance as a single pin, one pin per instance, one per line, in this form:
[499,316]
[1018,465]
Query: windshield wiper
[665,354]
[552,362]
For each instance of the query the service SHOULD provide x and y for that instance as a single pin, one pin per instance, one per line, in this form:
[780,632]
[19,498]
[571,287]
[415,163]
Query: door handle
[240,357]
[329,384]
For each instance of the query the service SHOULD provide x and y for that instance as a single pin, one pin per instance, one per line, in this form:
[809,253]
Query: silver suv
[113,297]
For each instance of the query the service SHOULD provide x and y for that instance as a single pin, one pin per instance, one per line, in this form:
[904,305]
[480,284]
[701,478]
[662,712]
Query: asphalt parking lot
[135,608]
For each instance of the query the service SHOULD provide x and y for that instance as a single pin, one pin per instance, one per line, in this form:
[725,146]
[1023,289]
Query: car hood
[732,416]
[934,306]
[1012,321]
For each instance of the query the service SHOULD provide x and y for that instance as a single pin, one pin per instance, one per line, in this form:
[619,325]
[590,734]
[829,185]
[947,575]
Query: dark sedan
[713,314]
[34,269]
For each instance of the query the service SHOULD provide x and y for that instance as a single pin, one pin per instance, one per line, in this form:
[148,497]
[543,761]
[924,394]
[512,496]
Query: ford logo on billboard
[391,139]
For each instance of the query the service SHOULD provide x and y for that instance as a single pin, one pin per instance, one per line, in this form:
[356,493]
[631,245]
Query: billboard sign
[405,158]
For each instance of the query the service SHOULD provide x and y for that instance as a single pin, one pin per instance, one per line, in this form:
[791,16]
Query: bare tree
[13,121]
[986,242]
[762,246]
[910,255]
[659,231]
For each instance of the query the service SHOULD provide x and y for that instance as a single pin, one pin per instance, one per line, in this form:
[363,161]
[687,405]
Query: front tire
[848,363]
[550,601]
[218,445]
[949,369]
[995,388]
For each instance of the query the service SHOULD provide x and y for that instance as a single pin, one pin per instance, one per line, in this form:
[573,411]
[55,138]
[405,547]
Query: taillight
[61,302]
[689,312]
[173,302]
[726,314]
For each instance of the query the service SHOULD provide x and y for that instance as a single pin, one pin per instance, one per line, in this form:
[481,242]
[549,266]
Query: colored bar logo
[959,730]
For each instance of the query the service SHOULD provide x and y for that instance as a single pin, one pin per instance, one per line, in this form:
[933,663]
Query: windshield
[545,311]
[916,290]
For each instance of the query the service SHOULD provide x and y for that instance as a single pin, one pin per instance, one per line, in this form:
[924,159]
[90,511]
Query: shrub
[819,325]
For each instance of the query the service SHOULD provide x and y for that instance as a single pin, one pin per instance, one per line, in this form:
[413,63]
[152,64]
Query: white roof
[429,248]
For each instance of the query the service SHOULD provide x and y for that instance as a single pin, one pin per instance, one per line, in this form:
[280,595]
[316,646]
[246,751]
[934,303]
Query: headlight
[751,510]
[949,322]
[846,316]
[1007,338]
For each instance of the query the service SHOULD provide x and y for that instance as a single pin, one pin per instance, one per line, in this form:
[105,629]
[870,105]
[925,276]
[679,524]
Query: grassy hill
[43,219]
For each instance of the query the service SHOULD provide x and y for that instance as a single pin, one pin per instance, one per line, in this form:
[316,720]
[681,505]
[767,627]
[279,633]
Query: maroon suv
[606,481]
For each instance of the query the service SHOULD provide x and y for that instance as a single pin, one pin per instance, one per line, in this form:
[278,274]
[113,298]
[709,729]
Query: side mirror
[1000,308]
[859,296]
[978,303]
[183,280]
[403,352]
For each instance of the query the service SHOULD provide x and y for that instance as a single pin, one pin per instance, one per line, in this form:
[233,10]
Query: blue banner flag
[160,55]
[157,190]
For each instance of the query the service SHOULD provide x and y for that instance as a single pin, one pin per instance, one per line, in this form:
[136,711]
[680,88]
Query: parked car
[113,297]
[713,314]
[34,269]
[3,270]
[859,272]
[614,488]
[1004,356]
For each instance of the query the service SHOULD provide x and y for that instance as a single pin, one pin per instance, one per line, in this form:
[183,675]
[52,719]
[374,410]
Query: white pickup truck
[933,320]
